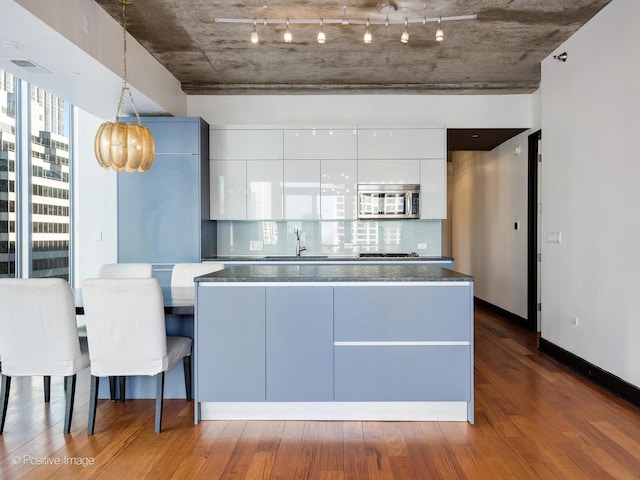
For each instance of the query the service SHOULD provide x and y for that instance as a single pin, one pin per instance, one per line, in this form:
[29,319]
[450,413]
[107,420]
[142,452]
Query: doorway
[533,232]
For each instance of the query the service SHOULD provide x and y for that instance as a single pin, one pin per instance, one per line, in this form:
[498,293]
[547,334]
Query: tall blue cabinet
[163,214]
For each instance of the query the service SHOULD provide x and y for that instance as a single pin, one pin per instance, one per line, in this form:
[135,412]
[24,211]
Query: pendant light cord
[125,86]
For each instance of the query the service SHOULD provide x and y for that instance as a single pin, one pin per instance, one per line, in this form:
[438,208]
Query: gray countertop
[335,273]
[323,258]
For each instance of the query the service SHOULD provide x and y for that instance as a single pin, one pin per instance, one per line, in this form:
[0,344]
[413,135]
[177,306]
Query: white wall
[454,111]
[489,195]
[80,46]
[94,196]
[590,192]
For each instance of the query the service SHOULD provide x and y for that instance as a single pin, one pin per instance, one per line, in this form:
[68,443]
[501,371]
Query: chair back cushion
[125,326]
[126,270]
[38,331]
[183,274]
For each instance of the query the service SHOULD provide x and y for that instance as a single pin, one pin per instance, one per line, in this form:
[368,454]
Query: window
[8,93]
[37,221]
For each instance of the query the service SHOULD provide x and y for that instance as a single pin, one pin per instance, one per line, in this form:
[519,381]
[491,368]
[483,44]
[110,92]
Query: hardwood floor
[534,419]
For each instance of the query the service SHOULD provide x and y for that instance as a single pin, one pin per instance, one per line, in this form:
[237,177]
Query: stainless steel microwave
[388,201]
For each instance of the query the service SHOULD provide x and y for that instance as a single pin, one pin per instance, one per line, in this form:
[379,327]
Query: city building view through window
[34,181]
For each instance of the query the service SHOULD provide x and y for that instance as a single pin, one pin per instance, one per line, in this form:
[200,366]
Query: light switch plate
[554,237]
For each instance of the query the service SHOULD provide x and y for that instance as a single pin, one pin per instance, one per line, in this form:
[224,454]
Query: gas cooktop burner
[412,254]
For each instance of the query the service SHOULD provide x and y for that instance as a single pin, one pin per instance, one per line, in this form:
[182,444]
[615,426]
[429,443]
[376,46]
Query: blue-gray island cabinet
[334,342]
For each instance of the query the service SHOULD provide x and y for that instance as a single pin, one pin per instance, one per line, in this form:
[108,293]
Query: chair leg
[4,400]
[70,388]
[159,397]
[122,385]
[93,403]
[112,388]
[47,389]
[186,362]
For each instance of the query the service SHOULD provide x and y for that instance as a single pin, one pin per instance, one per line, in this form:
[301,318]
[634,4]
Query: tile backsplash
[333,238]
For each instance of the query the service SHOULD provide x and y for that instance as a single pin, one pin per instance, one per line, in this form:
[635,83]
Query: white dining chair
[183,274]
[127,337]
[39,337]
[121,270]
[126,270]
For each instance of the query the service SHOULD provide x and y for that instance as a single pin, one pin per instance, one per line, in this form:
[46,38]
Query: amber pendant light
[120,145]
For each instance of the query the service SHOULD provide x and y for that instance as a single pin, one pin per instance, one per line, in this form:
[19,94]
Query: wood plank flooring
[534,420]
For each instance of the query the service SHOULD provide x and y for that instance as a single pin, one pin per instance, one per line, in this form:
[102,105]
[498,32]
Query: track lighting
[404,38]
[386,8]
[439,32]
[254,34]
[287,34]
[367,34]
[321,36]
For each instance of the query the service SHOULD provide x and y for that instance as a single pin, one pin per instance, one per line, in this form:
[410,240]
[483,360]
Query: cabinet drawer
[402,313]
[403,373]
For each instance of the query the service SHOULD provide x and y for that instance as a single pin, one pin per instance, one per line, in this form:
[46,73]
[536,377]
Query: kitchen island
[334,342]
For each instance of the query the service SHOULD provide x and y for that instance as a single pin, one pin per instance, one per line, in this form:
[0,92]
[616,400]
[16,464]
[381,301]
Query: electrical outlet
[574,320]
[255,245]
[422,246]
[348,246]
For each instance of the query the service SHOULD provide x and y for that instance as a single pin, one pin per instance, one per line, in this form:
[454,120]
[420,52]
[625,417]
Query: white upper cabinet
[312,173]
[339,185]
[389,171]
[302,189]
[321,143]
[245,144]
[393,143]
[433,189]
[264,190]
[228,189]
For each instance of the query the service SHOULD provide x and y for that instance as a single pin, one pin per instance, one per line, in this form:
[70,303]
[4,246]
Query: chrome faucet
[299,249]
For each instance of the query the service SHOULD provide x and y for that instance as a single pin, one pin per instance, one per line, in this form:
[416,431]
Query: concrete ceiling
[499,52]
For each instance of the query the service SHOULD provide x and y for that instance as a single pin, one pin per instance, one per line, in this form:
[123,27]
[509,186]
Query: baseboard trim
[502,312]
[614,384]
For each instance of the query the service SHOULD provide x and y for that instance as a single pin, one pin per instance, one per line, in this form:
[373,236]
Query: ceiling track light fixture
[287,34]
[404,38]
[255,38]
[344,20]
[439,32]
[367,34]
[321,36]
[385,8]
